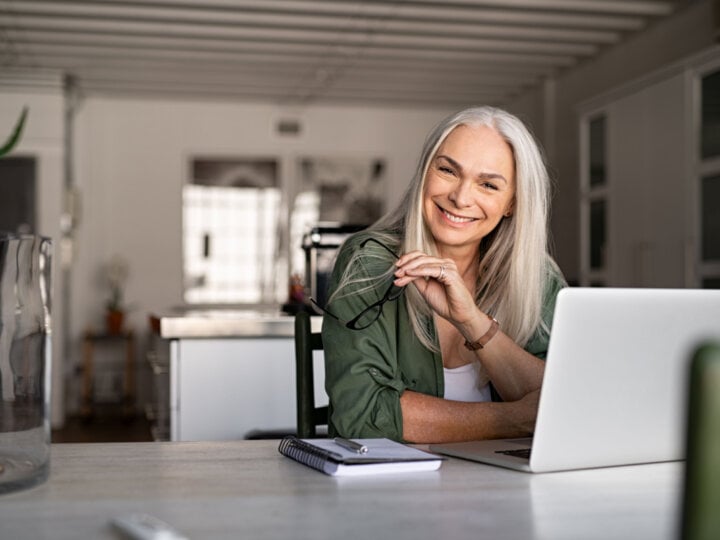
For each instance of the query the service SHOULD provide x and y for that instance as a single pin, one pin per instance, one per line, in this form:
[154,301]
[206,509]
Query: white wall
[132,159]
[670,40]
[42,139]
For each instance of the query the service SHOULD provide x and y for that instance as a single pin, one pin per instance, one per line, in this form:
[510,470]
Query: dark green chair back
[701,502]
[309,417]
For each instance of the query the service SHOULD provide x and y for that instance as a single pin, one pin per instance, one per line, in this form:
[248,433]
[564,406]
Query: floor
[103,429]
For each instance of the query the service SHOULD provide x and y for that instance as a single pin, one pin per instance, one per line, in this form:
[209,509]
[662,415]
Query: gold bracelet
[482,341]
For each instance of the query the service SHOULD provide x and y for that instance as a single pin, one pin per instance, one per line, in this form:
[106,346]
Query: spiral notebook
[383,456]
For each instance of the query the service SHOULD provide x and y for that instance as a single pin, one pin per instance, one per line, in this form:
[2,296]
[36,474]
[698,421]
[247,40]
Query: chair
[309,417]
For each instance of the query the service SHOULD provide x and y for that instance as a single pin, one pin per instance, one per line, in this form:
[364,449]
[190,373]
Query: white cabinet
[225,388]
[647,235]
[224,374]
[648,205]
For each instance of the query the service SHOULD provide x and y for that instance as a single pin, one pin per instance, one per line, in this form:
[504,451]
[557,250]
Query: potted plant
[117,271]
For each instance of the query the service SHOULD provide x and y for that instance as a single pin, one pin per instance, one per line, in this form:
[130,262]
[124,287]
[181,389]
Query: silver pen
[351,445]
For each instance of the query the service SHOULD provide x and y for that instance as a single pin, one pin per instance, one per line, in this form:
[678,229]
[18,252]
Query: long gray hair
[514,259]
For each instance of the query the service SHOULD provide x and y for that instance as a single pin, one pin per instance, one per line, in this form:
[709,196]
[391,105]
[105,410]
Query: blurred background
[178,151]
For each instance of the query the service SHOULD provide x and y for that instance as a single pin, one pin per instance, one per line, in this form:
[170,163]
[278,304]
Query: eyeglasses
[371,313]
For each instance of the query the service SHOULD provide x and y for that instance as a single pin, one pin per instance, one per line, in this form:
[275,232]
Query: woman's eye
[488,185]
[445,170]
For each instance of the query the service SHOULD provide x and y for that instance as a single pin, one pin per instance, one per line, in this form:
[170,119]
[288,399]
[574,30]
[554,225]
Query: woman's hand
[515,373]
[440,284]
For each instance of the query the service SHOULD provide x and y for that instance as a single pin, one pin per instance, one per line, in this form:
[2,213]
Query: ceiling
[418,52]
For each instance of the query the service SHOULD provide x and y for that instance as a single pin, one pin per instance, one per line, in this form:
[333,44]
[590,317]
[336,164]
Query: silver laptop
[614,388]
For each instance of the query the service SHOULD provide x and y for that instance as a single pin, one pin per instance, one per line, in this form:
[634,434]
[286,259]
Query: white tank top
[462,384]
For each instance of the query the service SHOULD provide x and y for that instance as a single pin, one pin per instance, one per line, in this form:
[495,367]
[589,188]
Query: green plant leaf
[15,137]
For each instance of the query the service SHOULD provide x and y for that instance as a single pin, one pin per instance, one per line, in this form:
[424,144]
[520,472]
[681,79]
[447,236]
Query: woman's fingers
[438,281]
[416,264]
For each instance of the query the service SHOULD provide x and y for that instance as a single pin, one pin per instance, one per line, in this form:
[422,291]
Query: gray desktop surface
[246,489]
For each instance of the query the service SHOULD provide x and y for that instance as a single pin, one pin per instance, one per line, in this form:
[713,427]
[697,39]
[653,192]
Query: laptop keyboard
[520,452]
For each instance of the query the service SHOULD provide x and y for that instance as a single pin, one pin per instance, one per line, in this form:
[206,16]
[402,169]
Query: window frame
[700,168]
[589,194]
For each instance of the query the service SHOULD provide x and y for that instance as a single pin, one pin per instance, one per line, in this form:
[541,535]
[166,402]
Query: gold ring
[442,272]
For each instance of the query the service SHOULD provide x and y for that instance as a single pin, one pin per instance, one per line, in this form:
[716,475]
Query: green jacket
[366,371]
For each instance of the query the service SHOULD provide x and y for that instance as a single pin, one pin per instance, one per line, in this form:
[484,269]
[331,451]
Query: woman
[439,313]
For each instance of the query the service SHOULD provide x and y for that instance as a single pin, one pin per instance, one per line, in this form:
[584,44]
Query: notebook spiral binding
[304,453]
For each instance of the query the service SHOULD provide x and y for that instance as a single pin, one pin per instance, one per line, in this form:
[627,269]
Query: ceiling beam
[635,7]
[80,57]
[330,51]
[430,52]
[291,36]
[392,9]
[81,13]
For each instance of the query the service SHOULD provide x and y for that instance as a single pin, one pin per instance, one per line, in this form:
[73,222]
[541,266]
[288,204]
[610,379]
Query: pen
[350,445]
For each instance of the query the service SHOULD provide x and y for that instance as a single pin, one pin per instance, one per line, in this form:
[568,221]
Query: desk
[246,489]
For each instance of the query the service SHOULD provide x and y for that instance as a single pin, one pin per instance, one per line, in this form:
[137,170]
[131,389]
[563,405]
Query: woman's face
[469,186]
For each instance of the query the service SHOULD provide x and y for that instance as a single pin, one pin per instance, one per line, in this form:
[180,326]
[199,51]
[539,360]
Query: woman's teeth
[457,219]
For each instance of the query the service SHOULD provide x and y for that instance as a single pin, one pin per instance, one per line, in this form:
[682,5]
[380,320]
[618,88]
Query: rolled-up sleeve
[362,377]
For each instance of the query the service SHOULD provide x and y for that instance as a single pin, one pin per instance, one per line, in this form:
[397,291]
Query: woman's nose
[461,195]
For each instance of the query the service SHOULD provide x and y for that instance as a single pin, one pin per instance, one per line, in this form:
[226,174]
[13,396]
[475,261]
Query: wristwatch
[480,342]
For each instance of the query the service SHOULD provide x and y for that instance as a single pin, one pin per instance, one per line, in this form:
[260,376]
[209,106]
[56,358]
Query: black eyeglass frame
[352,324]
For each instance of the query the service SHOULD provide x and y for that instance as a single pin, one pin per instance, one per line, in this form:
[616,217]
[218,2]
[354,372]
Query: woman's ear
[509,211]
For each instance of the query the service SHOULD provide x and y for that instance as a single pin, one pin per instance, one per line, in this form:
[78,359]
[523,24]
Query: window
[230,232]
[710,116]
[597,152]
[708,179]
[710,218]
[243,226]
[597,234]
[593,201]
[305,213]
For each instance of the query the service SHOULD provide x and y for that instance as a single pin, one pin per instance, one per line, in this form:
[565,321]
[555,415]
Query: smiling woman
[459,355]
[469,188]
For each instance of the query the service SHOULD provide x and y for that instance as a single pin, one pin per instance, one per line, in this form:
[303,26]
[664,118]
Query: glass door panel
[710,116]
[708,179]
[710,218]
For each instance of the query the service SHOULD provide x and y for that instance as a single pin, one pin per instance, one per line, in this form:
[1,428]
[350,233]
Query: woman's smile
[455,218]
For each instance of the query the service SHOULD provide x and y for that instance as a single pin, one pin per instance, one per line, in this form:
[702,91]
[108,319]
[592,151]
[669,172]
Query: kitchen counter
[201,323]
[225,374]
